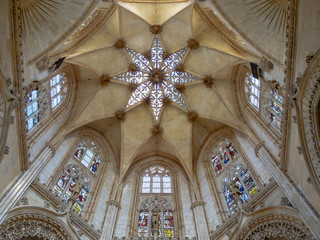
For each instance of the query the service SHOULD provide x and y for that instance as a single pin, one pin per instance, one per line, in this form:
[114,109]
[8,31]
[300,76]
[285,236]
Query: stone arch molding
[307,102]
[275,226]
[35,222]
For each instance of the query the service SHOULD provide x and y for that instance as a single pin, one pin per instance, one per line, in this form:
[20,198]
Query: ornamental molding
[197,204]
[275,225]
[113,203]
[62,208]
[35,222]
[308,98]
[7,102]
[251,204]
[257,147]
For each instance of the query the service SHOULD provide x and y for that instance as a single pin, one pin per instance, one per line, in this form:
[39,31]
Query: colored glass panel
[95,164]
[80,150]
[143,223]
[168,224]
[216,164]
[232,150]
[64,179]
[68,192]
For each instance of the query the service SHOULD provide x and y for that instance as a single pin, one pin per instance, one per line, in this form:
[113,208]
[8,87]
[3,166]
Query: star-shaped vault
[157,75]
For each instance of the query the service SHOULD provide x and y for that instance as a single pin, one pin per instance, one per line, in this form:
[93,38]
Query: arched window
[237,177]
[156,213]
[58,88]
[88,154]
[222,154]
[252,89]
[156,180]
[71,178]
[35,105]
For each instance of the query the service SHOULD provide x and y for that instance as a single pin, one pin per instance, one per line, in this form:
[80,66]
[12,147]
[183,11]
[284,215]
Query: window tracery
[156,180]
[156,214]
[58,89]
[252,89]
[222,154]
[238,178]
[88,153]
[73,176]
[36,102]
[156,76]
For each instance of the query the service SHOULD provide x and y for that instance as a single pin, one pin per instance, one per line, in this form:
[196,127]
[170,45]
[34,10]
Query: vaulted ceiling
[91,48]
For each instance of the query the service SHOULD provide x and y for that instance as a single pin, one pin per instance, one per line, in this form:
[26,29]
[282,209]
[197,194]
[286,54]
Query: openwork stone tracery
[157,76]
[275,226]
[33,225]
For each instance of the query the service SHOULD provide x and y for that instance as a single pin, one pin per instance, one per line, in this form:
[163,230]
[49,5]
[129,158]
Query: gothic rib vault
[208,56]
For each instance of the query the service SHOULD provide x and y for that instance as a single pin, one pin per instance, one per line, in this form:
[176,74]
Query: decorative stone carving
[24,201]
[309,105]
[275,226]
[43,64]
[6,150]
[62,208]
[120,114]
[300,149]
[166,101]
[180,87]
[156,130]
[309,59]
[265,64]
[192,116]
[105,79]
[208,81]
[46,204]
[33,225]
[119,44]
[155,29]
[180,68]
[132,87]
[193,44]
[285,202]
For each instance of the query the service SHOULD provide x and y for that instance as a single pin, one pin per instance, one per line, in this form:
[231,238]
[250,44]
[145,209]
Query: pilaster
[25,180]
[110,219]
[200,220]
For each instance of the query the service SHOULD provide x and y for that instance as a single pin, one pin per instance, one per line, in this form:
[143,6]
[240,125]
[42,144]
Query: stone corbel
[197,203]
[257,147]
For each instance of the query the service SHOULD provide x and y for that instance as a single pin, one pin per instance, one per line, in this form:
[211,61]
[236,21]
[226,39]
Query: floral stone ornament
[157,76]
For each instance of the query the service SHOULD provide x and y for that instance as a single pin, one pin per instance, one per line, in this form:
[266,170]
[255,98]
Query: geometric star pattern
[156,76]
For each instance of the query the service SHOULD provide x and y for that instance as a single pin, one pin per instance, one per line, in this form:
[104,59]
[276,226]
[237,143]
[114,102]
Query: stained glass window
[65,185]
[57,89]
[168,223]
[276,108]
[156,180]
[238,177]
[87,154]
[223,152]
[252,88]
[156,76]
[32,109]
[143,223]
[162,210]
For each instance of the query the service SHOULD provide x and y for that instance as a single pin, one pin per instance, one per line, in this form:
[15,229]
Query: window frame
[148,173]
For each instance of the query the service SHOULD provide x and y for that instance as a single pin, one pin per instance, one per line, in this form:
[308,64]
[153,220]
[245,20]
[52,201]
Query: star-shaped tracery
[157,75]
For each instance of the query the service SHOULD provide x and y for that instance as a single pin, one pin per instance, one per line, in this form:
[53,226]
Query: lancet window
[156,180]
[88,153]
[222,154]
[73,184]
[58,88]
[252,89]
[156,218]
[237,181]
